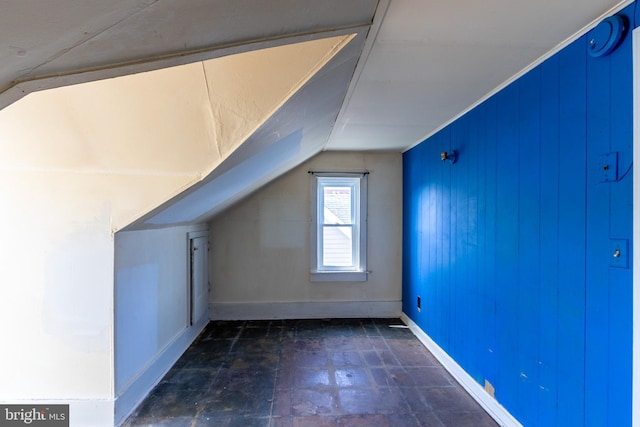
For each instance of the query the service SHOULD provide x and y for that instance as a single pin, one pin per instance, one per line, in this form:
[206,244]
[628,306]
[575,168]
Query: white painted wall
[75,165]
[151,309]
[260,247]
[55,298]
[79,163]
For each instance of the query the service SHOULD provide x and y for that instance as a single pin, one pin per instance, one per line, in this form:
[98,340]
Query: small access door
[199,277]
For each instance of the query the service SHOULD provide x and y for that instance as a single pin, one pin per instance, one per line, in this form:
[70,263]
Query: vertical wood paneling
[597,289]
[410,169]
[509,247]
[529,247]
[454,221]
[458,241]
[489,364]
[549,253]
[444,222]
[476,233]
[507,309]
[433,281]
[422,243]
[571,235]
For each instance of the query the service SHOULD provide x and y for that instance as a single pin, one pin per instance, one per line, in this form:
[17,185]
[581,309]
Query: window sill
[338,276]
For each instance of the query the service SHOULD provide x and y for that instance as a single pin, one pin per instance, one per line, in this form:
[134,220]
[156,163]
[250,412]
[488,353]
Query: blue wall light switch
[608,165]
[619,253]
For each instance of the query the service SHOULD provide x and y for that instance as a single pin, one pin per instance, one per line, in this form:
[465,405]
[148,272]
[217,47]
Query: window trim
[338,274]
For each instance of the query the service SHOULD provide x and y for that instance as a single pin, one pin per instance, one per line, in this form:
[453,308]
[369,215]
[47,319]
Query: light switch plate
[619,247]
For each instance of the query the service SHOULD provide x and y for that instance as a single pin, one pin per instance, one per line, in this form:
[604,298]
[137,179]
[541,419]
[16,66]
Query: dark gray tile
[312,373]
[372,358]
[314,421]
[340,344]
[190,379]
[404,420]
[308,344]
[257,361]
[373,401]
[346,358]
[465,419]
[305,402]
[365,420]
[161,422]
[311,359]
[241,379]
[388,358]
[352,377]
[431,376]
[249,401]
[257,345]
[277,421]
[282,403]
[169,403]
[249,421]
[391,376]
[429,419]
[414,357]
[449,398]
[312,378]
[285,378]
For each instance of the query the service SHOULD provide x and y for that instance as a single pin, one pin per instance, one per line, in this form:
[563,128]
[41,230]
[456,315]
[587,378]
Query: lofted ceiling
[410,67]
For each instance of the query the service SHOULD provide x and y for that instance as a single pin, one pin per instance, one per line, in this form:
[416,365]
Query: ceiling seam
[372,34]
[211,116]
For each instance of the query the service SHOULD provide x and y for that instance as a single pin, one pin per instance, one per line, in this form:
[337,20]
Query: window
[338,232]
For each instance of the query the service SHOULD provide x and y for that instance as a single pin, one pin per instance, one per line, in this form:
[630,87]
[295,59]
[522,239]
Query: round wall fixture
[606,36]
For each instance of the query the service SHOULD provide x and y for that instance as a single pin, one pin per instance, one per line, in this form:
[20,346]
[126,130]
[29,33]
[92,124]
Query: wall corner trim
[493,408]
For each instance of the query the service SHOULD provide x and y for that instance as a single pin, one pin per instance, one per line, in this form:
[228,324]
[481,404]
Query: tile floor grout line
[236,338]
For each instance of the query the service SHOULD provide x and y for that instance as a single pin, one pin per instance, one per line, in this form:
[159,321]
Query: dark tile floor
[312,373]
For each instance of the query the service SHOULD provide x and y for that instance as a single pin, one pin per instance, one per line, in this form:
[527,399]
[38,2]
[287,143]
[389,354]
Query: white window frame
[357,272]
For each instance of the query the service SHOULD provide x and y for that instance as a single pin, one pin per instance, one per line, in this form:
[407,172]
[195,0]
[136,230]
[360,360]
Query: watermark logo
[34,415]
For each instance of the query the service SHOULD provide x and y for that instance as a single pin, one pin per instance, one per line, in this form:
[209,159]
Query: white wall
[151,309]
[75,165]
[260,247]
[55,300]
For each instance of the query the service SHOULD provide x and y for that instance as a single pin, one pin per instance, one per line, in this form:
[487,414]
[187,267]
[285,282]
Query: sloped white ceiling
[412,67]
[433,59]
[152,135]
[295,133]
[49,44]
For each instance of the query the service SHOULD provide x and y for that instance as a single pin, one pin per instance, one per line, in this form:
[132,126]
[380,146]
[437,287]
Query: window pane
[338,246]
[337,204]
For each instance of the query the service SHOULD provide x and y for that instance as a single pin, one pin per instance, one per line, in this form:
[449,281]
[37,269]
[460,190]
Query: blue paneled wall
[509,249]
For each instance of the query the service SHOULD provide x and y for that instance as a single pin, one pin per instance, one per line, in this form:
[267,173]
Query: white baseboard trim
[135,392]
[493,408]
[304,310]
